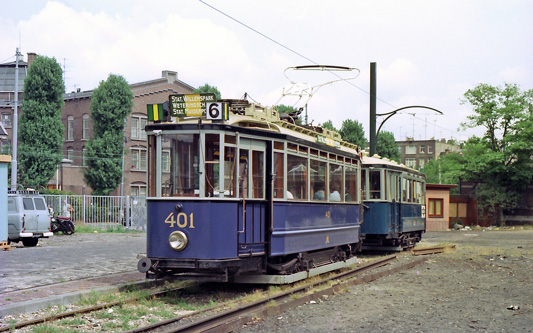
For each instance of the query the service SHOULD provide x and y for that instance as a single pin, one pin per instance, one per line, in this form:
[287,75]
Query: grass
[88,229]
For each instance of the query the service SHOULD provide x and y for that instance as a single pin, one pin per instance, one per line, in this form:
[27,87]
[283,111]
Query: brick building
[78,128]
[416,153]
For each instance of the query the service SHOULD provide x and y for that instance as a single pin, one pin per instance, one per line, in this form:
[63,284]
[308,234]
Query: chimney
[31,58]
[170,76]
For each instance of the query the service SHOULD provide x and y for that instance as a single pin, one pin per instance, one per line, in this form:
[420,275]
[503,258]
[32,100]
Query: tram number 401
[181,220]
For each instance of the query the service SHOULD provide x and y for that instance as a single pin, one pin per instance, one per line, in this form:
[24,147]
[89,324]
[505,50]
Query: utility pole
[15,125]
[373,98]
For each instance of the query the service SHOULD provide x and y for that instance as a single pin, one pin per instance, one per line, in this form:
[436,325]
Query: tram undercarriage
[244,269]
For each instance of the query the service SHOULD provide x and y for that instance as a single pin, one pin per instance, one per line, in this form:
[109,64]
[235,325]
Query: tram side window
[230,172]
[278,176]
[318,179]
[184,160]
[257,174]
[335,181]
[375,184]
[243,173]
[297,176]
[350,184]
[212,164]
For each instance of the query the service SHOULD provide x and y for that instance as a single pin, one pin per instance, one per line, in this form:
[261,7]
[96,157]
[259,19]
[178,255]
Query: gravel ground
[486,285]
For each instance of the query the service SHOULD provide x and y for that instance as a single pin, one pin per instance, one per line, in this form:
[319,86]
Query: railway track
[234,318]
[231,315]
[432,250]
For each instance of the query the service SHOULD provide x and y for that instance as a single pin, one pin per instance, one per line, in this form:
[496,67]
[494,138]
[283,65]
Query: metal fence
[101,211]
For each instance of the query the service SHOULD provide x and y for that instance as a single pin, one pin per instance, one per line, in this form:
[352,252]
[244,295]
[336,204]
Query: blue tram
[250,195]
[394,204]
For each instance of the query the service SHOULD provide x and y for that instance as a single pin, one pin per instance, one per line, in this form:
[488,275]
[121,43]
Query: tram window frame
[374,188]
[258,174]
[186,183]
[211,168]
[336,182]
[351,180]
[278,169]
[319,181]
[230,171]
[297,187]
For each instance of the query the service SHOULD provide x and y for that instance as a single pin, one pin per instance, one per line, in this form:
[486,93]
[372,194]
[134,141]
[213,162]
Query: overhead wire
[297,53]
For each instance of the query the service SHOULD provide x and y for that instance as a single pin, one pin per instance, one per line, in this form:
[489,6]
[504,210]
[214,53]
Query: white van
[28,217]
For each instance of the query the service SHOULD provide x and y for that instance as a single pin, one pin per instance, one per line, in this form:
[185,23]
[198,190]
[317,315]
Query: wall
[438,223]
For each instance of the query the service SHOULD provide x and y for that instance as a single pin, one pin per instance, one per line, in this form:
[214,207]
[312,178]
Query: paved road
[64,258]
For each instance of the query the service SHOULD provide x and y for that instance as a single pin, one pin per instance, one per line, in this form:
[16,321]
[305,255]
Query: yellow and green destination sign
[190,105]
[328,141]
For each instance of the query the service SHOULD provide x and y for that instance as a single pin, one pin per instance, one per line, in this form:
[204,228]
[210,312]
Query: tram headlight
[178,240]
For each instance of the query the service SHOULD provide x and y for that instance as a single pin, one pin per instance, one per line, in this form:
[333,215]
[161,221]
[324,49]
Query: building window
[410,162]
[85,131]
[6,119]
[138,190]
[70,128]
[70,153]
[138,159]
[137,128]
[410,149]
[422,149]
[435,207]
[421,162]
[458,209]
[84,157]
[430,149]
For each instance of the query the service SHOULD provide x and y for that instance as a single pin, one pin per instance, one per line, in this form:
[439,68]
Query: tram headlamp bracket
[178,240]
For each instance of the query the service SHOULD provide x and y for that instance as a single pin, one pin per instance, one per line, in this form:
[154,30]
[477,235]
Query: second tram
[394,198]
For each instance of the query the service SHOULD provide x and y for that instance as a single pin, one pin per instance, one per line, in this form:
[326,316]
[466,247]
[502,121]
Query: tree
[387,147]
[329,125]
[500,161]
[352,131]
[206,88]
[40,128]
[111,103]
[447,169]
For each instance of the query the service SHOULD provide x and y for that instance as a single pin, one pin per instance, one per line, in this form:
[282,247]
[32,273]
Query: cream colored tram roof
[273,126]
[378,160]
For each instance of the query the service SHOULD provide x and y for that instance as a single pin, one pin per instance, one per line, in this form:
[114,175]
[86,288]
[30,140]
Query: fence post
[128,224]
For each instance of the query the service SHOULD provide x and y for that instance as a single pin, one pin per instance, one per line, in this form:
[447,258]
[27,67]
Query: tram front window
[182,180]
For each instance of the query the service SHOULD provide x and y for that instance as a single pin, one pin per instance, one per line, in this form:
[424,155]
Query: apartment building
[416,153]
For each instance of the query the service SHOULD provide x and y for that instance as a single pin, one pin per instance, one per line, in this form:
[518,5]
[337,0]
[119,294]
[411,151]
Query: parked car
[28,217]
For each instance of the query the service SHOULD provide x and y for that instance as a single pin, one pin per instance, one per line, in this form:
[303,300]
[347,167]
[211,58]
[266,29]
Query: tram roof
[377,160]
[255,117]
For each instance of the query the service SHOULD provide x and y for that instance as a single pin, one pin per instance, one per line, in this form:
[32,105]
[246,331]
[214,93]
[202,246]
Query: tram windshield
[182,177]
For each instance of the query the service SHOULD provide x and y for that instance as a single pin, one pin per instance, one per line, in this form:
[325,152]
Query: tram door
[396,216]
[252,204]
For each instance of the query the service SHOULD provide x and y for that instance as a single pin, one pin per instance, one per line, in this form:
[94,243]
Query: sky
[427,53]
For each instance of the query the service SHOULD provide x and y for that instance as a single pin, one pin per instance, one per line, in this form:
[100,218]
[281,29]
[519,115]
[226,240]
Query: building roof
[440,186]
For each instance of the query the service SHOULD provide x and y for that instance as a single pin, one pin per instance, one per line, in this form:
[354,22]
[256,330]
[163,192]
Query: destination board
[328,141]
[190,105]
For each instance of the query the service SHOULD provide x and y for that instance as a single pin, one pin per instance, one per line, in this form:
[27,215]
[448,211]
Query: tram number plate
[181,220]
